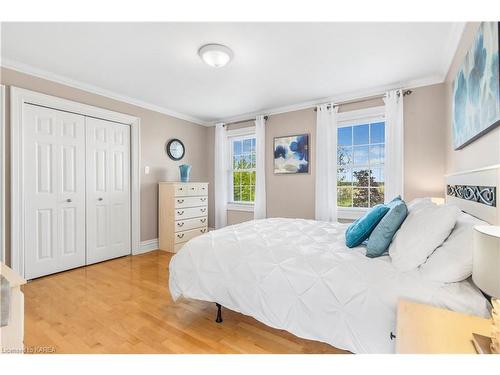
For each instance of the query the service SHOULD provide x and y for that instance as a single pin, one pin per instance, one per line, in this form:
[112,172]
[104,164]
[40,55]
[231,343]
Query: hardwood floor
[124,306]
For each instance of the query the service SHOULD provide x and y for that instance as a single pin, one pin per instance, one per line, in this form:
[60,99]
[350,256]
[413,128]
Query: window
[360,164]
[242,179]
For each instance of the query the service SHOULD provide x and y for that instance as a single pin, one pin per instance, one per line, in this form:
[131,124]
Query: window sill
[248,207]
[351,212]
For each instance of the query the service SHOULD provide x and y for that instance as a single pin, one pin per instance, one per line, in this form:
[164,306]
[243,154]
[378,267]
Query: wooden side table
[424,329]
[12,335]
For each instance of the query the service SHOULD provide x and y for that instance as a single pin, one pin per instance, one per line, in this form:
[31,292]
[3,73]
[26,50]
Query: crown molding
[344,97]
[451,47]
[43,74]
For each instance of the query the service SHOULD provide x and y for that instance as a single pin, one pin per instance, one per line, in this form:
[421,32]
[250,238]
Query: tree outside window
[242,169]
[360,165]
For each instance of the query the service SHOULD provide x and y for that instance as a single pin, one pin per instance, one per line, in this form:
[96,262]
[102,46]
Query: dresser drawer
[188,213]
[198,189]
[182,225]
[188,234]
[181,190]
[182,202]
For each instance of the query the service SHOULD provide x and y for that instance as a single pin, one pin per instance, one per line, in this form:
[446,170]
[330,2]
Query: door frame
[18,98]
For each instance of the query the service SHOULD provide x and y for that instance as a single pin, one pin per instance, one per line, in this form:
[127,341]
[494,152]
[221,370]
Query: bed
[298,275]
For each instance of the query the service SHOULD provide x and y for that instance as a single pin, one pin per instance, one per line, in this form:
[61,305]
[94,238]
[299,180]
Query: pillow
[421,233]
[396,199]
[359,231]
[419,203]
[381,237]
[452,261]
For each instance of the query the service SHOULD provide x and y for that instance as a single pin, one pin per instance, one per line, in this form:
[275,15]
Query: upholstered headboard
[476,192]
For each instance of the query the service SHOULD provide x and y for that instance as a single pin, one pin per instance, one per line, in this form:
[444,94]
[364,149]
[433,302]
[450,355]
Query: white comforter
[298,275]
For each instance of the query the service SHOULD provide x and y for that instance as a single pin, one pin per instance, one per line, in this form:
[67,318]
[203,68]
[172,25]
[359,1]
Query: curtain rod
[405,93]
[242,121]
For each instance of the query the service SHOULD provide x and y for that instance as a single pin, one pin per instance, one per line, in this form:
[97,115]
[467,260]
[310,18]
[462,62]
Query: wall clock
[175,149]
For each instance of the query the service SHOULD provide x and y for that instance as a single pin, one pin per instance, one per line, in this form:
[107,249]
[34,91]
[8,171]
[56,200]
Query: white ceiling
[274,65]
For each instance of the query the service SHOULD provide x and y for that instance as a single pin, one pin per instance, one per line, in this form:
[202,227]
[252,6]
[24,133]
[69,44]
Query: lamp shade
[486,259]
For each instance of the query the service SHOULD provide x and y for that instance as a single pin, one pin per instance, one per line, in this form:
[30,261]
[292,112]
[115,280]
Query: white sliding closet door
[108,190]
[54,184]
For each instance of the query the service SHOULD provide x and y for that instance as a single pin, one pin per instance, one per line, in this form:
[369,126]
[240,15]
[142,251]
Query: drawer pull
[180,212]
[203,199]
[203,209]
[180,235]
[392,336]
[180,201]
[192,188]
[203,220]
[203,230]
[181,189]
[180,224]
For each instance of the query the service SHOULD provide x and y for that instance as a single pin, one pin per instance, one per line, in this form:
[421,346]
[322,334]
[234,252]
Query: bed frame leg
[218,319]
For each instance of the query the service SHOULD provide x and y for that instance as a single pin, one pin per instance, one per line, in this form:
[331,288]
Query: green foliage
[362,189]
[244,181]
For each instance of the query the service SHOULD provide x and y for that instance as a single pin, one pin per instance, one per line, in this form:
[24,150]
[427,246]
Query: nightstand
[424,329]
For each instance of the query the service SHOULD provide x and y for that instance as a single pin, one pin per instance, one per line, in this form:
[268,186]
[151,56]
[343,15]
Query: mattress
[298,275]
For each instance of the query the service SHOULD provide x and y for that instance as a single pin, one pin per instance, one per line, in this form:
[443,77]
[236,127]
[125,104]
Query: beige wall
[424,147]
[156,129]
[484,151]
[293,195]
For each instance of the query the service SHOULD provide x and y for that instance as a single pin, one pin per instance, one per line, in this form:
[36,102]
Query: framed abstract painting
[476,89]
[291,154]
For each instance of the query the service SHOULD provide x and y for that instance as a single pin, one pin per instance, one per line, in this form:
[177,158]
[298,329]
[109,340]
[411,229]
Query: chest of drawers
[182,213]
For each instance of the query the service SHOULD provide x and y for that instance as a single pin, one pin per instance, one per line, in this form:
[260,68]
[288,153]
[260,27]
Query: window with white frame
[242,168]
[360,162]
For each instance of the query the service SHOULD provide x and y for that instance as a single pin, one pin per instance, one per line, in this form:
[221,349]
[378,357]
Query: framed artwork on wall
[291,154]
[476,89]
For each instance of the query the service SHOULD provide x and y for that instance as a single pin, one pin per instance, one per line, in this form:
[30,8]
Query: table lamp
[486,275]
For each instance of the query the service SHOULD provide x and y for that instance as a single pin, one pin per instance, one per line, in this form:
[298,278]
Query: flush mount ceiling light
[215,55]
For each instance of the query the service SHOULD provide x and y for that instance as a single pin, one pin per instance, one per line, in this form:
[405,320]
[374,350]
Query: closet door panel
[108,190]
[54,182]
[120,189]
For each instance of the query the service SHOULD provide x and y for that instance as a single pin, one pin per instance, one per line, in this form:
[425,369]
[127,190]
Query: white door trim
[18,97]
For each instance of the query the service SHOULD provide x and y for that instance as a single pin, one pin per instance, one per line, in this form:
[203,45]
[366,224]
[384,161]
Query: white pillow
[419,203]
[420,234]
[452,261]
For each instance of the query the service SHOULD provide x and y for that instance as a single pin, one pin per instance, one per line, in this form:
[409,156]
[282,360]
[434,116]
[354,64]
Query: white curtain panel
[260,167]
[220,178]
[394,143]
[326,163]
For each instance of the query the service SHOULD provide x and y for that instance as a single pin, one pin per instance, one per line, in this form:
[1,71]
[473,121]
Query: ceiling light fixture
[215,55]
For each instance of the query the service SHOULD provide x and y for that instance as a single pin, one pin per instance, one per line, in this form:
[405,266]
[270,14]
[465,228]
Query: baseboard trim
[148,245]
